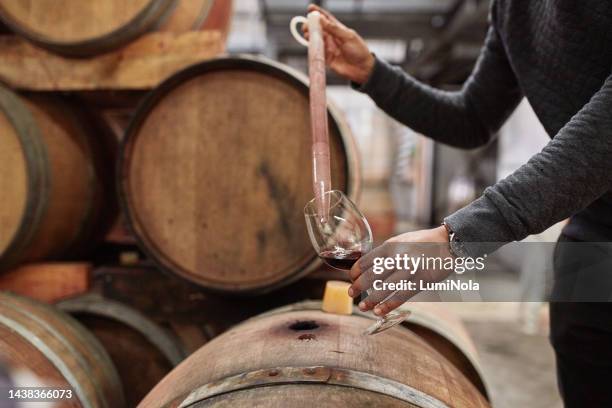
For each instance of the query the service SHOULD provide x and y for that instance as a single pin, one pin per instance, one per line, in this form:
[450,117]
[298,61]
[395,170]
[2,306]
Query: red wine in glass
[341,259]
[341,238]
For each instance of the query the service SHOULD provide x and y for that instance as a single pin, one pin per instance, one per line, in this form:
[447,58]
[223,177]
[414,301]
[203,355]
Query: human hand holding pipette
[346,53]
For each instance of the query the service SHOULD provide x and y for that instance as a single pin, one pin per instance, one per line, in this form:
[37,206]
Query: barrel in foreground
[59,352]
[303,358]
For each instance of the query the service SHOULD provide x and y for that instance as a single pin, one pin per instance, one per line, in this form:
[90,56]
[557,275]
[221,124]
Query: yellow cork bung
[336,298]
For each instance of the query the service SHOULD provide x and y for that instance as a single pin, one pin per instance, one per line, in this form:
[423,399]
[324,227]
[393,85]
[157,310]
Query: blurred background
[135,265]
[408,181]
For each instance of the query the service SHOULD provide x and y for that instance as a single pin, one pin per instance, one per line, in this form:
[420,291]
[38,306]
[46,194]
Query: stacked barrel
[207,174]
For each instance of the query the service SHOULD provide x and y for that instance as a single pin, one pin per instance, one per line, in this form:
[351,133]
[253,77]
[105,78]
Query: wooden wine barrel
[83,28]
[142,352]
[216,170]
[436,325]
[220,17]
[190,15]
[54,177]
[305,358]
[58,351]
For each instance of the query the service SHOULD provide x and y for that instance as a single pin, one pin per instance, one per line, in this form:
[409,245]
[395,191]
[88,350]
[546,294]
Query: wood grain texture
[71,20]
[304,397]
[142,64]
[71,193]
[64,352]
[65,187]
[47,282]
[83,28]
[435,324]
[440,328]
[314,338]
[220,18]
[13,182]
[187,15]
[142,352]
[216,171]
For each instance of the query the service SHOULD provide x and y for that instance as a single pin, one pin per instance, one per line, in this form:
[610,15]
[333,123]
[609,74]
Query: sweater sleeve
[466,118]
[571,172]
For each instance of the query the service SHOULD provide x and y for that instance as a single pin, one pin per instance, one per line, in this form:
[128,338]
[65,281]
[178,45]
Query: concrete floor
[519,367]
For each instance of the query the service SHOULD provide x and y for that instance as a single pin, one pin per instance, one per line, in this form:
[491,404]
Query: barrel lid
[80,27]
[216,170]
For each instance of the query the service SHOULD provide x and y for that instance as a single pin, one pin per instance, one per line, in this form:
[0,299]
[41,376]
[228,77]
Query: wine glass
[341,235]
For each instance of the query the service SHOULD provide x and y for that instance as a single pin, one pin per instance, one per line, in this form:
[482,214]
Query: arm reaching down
[571,172]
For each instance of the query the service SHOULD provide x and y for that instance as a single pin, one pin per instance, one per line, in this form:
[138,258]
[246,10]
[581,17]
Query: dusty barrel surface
[142,352]
[53,169]
[216,171]
[58,351]
[82,28]
[436,325]
[304,358]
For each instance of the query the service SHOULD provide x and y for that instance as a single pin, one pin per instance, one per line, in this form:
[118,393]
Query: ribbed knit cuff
[480,227]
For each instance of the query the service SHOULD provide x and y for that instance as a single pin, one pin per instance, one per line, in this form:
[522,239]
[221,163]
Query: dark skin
[347,54]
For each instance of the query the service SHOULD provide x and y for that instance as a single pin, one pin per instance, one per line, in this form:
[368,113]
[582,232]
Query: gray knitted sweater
[558,54]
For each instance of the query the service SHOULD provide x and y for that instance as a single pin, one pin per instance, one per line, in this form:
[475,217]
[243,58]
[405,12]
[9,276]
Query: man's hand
[346,52]
[427,243]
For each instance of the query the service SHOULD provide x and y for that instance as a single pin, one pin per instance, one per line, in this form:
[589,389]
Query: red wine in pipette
[341,258]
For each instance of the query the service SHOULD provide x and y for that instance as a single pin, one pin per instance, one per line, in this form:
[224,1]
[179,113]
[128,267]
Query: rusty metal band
[313,375]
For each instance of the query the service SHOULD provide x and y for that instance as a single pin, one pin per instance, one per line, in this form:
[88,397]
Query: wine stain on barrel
[304,325]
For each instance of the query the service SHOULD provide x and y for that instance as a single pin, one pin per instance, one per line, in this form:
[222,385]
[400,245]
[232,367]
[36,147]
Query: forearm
[466,118]
[447,117]
[571,172]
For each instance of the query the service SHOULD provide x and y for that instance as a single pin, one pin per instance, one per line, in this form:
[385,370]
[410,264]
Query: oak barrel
[54,178]
[57,350]
[83,28]
[190,15]
[220,17]
[436,325]
[142,352]
[305,358]
[216,171]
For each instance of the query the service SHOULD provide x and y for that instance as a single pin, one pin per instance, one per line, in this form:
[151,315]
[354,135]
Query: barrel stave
[314,338]
[241,226]
[65,346]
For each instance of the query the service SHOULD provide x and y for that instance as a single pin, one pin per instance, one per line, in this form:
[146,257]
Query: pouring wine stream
[345,219]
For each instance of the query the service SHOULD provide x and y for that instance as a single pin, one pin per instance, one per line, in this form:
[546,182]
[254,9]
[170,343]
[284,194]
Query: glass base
[388,321]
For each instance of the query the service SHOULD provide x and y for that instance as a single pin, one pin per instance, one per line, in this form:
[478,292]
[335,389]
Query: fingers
[331,49]
[332,25]
[330,16]
[338,30]
[375,297]
[395,301]
[364,263]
